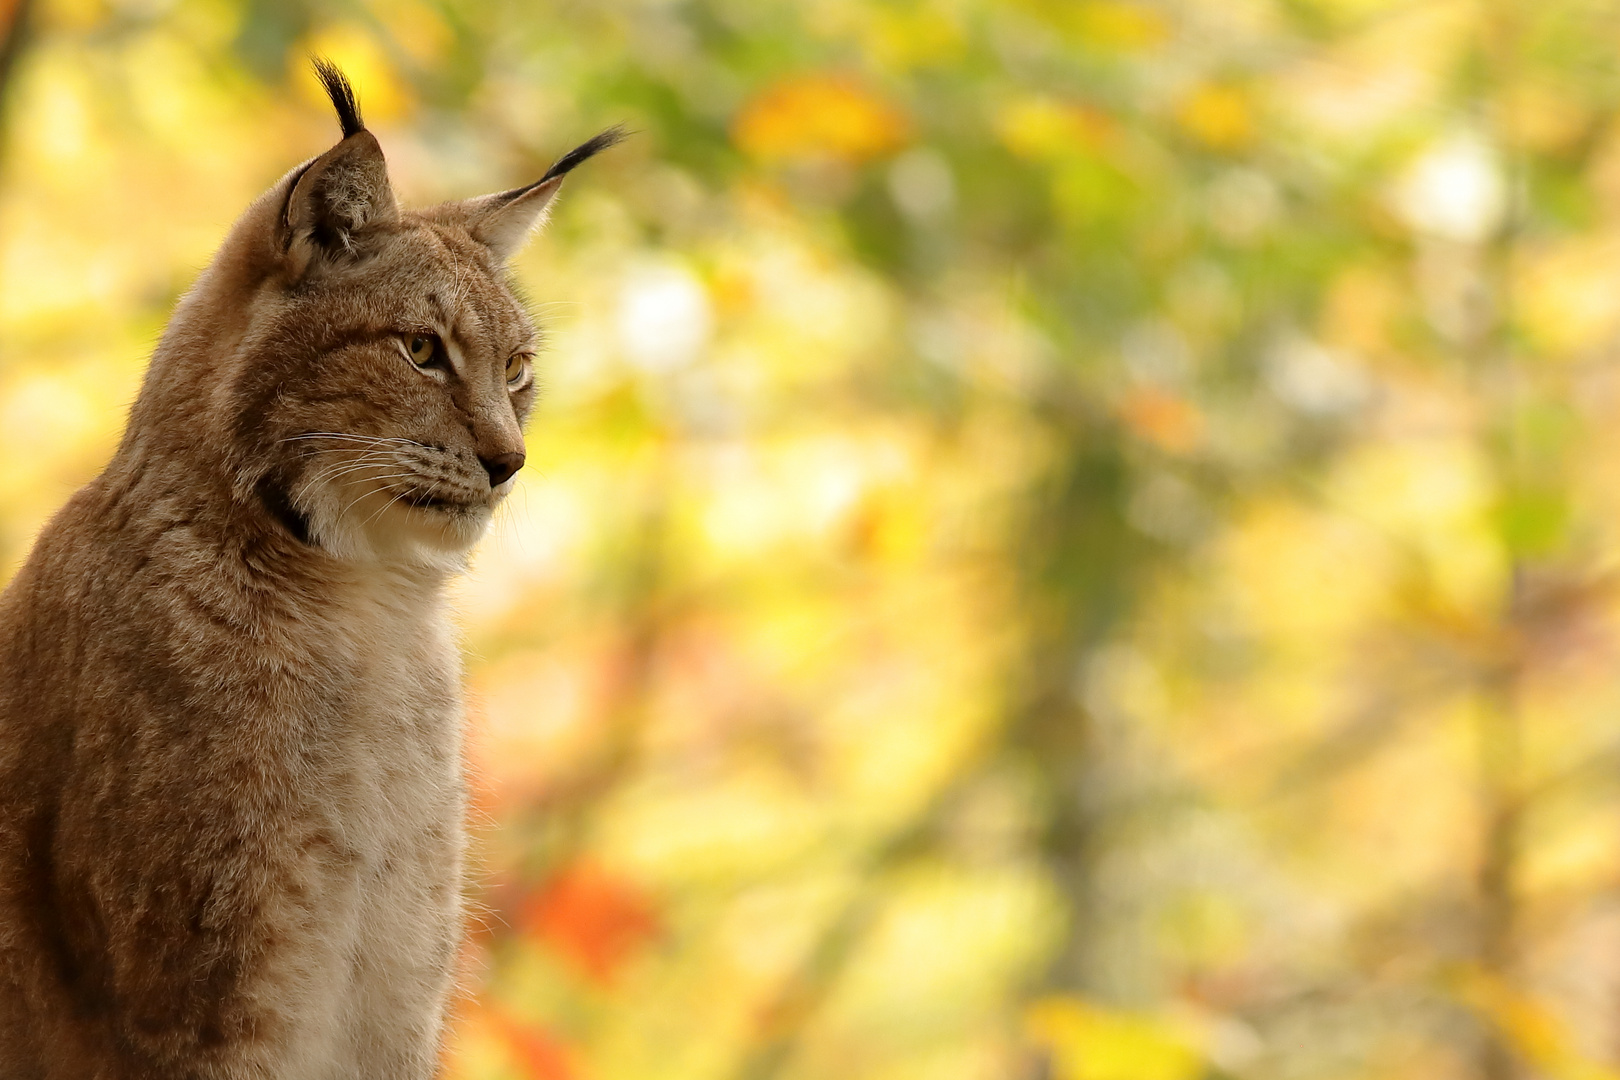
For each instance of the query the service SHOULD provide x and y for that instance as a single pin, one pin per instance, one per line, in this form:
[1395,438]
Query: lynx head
[356,375]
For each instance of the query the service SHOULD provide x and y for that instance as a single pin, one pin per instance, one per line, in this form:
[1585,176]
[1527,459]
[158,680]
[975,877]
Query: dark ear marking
[342,95]
[570,161]
[586,150]
[339,196]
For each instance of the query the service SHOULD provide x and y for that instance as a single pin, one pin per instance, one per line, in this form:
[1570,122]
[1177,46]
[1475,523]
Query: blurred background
[1063,539]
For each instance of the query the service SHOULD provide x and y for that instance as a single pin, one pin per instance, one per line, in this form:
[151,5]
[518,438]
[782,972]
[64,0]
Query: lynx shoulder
[231,791]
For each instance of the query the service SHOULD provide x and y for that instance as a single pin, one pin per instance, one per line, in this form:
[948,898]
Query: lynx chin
[231,781]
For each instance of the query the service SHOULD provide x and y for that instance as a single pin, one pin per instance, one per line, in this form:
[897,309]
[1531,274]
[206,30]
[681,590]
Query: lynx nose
[502,467]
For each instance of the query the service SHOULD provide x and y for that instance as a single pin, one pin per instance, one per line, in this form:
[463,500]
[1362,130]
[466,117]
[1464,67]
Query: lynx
[231,781]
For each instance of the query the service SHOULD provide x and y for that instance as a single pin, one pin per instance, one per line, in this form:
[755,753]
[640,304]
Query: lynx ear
[503,221]
[340,193]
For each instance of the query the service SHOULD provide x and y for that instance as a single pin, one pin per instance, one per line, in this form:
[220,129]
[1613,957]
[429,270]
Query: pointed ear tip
[341,93]
[608,138]
[586,150]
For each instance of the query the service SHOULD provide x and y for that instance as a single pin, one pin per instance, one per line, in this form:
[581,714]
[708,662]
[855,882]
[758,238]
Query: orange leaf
[596,920]
[1170,422]
[542,1055]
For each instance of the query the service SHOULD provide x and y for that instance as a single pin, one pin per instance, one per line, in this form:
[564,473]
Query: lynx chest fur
[375,887]
[231,790]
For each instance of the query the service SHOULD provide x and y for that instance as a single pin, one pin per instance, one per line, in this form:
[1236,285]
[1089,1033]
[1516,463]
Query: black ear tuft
[613,136]
[503,220]
[342,95]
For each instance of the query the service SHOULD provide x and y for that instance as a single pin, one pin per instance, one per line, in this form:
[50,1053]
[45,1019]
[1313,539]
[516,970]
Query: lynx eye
[516,366]
[423,349]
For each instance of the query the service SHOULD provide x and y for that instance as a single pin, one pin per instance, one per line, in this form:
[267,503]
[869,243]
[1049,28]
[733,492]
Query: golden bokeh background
[1063,539]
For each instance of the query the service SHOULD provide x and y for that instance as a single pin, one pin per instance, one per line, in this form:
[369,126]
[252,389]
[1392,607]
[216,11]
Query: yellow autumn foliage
[1088,1042]
[820,115]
